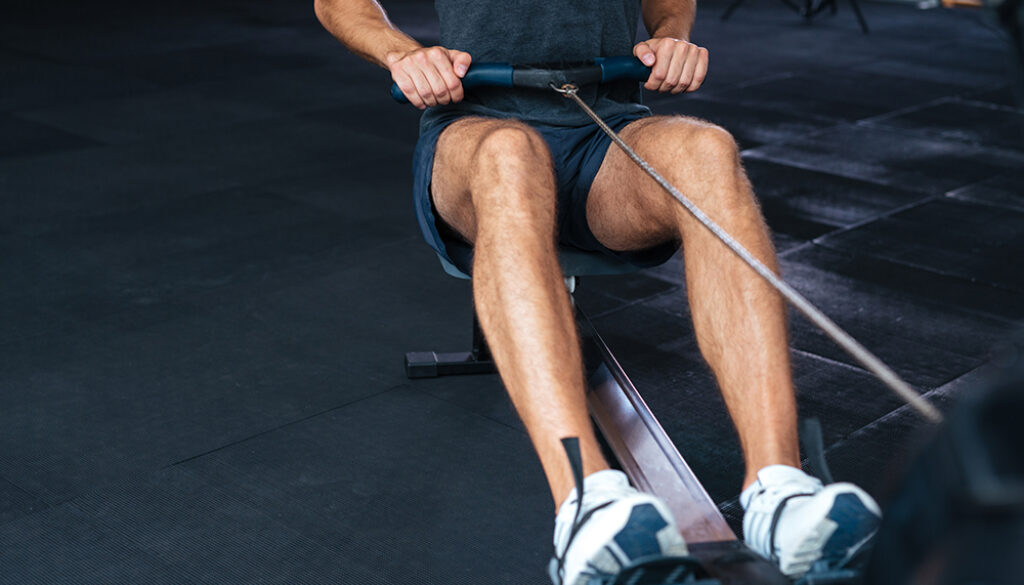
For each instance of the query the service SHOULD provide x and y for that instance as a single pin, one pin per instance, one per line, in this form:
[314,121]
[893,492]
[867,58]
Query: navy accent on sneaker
[848,510]
[638,538]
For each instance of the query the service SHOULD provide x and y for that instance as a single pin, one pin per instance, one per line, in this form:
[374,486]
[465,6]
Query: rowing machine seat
[575,262]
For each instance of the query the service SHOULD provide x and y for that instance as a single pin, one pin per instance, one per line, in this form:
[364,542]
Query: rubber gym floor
[211,272]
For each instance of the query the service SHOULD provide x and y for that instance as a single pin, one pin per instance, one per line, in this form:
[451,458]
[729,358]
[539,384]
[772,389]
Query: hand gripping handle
[601,70]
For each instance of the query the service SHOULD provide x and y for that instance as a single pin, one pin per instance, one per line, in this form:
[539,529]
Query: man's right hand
[429,76]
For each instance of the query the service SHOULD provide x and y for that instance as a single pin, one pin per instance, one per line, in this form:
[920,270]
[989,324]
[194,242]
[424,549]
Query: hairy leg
[493,183]
[738,318]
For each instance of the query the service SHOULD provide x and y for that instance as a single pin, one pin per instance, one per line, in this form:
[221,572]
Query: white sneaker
[793,520]
[614,527]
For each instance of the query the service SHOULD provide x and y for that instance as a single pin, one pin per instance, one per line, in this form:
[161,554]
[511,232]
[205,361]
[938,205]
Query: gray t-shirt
[527,32]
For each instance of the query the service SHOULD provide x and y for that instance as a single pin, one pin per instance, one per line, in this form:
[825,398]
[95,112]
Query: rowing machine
[636,439]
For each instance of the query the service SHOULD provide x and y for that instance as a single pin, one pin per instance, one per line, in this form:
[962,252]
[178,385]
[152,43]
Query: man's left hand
[676,65]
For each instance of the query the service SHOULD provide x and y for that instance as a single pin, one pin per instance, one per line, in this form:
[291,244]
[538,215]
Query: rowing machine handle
[605,69]
[622,69]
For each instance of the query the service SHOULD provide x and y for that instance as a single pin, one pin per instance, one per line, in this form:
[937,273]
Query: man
[511,172]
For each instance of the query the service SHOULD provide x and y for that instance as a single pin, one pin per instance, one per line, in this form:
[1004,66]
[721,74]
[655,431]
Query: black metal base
[431,364]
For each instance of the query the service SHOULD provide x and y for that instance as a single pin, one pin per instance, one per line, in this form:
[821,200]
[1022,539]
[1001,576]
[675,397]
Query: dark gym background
[210,272]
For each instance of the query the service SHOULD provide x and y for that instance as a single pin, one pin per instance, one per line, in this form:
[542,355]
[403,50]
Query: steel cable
[813,314]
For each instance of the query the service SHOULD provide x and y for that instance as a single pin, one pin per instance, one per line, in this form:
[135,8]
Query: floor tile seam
[797,136]
[19,115]
[755,154]
[831,361]
[939,305]
[873,120]
[285,425]
[858,368]
[1019,110]
[21,489]
[832,123]
[994,205]
[977,183]
[786,108]
[932,270]
[711,95]
[937,391]
[940,391]
[39,499]
[803,246]
[470,411]
[634,302]
[931,133]
[925,199]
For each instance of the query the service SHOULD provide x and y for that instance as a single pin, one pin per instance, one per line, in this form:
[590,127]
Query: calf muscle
[494,184]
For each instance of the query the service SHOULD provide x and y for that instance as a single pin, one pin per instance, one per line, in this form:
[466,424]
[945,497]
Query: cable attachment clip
[566,89]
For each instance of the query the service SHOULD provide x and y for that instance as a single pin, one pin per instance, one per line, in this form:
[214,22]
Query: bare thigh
[627,210]
[476,155]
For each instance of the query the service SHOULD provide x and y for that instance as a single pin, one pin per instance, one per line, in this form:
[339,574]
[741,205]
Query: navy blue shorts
[577,154]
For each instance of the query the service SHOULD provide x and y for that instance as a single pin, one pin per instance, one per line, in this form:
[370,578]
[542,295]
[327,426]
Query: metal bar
[643,449]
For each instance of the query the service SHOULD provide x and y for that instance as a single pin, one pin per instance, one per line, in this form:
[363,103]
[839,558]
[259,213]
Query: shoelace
[572,451]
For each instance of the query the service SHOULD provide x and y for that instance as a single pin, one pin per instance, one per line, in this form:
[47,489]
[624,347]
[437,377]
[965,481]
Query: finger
[426,60]
[423,88]
[675,68]
[452,84]
[663,59]
[644,52]
[460,62]
[700,73]
[405,83]
[686,76]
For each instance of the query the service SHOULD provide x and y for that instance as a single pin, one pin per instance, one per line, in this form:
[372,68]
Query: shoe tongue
[597,483]
[774,475]
[605,479]
[778,479]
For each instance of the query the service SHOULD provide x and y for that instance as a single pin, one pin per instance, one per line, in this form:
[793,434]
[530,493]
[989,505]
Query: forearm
[363,27]
[669,18]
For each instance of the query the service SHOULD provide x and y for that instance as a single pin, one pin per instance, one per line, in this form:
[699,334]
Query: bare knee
[510,145]
[712,148]
[513,168]
[708,168]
